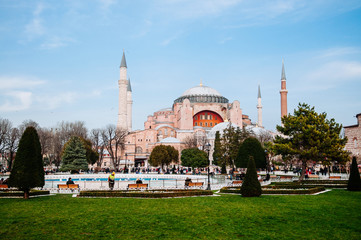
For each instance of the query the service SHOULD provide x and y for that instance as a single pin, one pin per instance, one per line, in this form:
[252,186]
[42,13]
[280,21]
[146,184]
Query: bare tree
[45,138]
[96,137]
[114,140]
[28,123]
[5,128]
[9,140]
[199,139]
[69,129]
[264,136]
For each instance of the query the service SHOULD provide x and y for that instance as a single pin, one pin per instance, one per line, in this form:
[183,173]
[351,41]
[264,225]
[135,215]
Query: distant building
[353,134]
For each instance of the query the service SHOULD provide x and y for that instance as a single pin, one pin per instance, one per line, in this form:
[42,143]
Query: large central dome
[202,94]
[201,90]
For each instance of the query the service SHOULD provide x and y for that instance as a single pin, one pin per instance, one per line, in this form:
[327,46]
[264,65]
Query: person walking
[111,180]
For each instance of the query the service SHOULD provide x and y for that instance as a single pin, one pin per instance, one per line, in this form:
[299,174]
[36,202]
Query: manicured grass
[332,215]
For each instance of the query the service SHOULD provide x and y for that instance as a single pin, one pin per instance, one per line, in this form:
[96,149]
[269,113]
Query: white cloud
[56,42]
[338,71]
[107,3]
[8,82]
[56,100]
[35,26]
[171,39]
[338,52]
[16,101]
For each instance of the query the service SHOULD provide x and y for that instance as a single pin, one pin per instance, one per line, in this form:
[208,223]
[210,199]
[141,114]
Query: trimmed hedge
[280,190]
[316,183]
[157,193]
[17,193]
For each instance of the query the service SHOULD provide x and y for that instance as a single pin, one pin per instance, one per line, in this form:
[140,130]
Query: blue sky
[59,60]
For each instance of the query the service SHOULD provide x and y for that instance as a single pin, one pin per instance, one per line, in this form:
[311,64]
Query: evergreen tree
[194,158]
[217,150]
[251,186]
[74,156]
[251,147]
[308,136]
[28,170]
[91,155]
[354,182]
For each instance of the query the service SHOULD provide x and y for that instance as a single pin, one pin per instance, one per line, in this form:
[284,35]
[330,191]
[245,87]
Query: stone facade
[353,134]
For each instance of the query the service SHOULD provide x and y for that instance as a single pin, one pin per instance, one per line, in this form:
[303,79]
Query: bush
[158,193]
[12,193]
[354,182]
[251,186]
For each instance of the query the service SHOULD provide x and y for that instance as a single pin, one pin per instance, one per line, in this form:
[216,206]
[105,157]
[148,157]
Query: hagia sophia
[199,112]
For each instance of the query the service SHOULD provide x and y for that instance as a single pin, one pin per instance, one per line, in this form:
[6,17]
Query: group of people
[4,181]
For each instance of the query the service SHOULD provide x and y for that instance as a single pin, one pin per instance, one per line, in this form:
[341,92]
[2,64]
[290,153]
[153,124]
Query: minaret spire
[123,63]
[283,92]
[259,108]
[123,118]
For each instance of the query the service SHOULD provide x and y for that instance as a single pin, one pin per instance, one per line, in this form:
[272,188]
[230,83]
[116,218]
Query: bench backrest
[68,186]
[140,185]
[335,177]
[237,182]
[4,186]
[194,184]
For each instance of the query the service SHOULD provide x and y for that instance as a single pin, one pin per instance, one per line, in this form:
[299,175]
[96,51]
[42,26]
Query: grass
[332,215]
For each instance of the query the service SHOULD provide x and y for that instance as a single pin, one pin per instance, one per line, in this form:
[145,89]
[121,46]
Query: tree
[163,155]
[251,147]
[251,186]
[309,136]
[217,154]
[28,170]
[96,136]
[354,181]
[91,155]
[74,155]
[114,140]
[194,158]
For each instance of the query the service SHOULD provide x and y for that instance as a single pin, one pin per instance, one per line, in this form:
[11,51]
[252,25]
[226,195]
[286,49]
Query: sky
[59,59]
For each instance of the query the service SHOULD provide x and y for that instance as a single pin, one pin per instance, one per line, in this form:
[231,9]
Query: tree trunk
[303,171]
[26,194]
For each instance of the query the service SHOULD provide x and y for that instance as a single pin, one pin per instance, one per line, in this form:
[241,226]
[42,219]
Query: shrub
[28,171]
[251,186]
[354,182]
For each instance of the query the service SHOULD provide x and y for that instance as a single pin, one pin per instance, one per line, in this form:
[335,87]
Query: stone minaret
[283,92]
[129,106]
[123,103]
[259,108]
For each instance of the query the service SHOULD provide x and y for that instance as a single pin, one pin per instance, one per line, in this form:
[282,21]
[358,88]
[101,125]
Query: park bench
[335,177]
[195,184]
[137,186]
[4,186]
[235,183]
[286,177]
[313,176]
[68,186]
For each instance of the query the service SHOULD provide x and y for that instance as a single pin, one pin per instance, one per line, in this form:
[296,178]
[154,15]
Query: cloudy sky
[59,59]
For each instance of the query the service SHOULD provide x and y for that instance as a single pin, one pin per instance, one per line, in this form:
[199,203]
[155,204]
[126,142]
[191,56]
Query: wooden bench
[335,177]
[195,184]
[286,177]
[137,186]
[313,176]
[235,183]
[4,186]
[68,186]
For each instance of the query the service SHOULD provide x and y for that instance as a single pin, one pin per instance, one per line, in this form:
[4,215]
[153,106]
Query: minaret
[129,106]
[123,86]
[259,108]
[283,92]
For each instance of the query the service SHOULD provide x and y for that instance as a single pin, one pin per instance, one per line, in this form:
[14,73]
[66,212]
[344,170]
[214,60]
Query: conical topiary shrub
[28,171]
[354,182]
[251,186]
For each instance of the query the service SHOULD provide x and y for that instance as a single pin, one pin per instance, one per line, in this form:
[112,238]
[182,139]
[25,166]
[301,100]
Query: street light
[208,148]
[126,161]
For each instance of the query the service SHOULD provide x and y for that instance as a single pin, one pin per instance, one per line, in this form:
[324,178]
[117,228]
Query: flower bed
[17,193]
[157,193]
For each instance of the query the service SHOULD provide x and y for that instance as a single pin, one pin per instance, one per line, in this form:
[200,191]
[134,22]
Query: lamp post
[126,161]
[208,148]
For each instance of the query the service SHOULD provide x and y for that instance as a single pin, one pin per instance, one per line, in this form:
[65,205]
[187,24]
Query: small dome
[201,90]
[170,140]
[220,128]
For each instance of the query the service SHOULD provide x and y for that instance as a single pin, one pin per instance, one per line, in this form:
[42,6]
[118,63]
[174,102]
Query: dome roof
[202,94]
[201,90]
[220,128]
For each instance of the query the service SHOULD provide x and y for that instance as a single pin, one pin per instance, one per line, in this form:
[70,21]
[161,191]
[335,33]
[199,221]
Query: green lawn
[332,215]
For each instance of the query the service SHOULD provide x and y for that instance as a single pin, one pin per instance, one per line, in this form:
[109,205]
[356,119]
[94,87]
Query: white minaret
[129,106]
[123,86]
[259,108]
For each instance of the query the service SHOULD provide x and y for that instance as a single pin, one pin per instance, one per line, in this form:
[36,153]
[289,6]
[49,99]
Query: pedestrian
[111,180]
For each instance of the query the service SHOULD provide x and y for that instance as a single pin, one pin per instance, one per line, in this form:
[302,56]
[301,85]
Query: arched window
[138,150]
